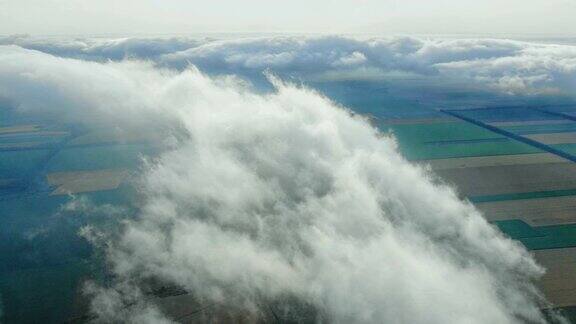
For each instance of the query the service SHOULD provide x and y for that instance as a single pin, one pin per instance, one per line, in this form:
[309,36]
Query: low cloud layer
[504,65]
[103,49]
[509,66]
[285,195]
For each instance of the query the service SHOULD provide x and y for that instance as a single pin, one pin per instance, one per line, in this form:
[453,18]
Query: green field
[453,140]
[539,238]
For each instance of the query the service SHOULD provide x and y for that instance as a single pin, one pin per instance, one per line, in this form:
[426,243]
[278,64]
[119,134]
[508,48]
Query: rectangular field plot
[429,151]
[85,181]
[436,132]
[542,128]
[453,140]
[535,211]
[554,138]
[558,281]
[542,237]
[512,179]
[508,114]
[19,129]
[495,160]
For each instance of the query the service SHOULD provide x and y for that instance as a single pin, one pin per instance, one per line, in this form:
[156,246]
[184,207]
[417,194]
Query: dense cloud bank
[510,66]
[103,49]
[263,198]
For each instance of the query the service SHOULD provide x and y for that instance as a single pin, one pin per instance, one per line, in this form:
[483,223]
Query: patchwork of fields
[517,165]
[42,169]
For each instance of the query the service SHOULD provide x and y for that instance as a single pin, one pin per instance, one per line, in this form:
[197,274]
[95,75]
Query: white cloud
[110,307]
[534,68]
[355,58]
[41,84]
[103,49]
[505,65]
[265,197]
[511,66]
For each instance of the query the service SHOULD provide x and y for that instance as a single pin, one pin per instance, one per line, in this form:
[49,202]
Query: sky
[64,17]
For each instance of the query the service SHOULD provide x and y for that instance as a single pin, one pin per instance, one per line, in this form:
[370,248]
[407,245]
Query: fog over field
[276,192]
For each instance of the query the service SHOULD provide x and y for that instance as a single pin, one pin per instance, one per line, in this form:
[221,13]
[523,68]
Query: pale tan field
[19,129]
[554,138]
[508,179]
[86,181]
[558,282]
[487,161]
[35,132]
[536,212]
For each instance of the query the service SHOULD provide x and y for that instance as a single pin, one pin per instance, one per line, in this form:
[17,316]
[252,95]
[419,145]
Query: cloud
[504,65]
[41,85]
[508,66]
[110,308]
[279,196]
[544,67]
[103,49]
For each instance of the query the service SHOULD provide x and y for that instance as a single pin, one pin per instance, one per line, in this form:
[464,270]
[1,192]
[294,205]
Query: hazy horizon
[59,17]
